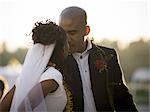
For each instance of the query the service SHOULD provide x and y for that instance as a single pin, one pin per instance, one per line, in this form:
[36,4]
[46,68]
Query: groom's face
[75,31]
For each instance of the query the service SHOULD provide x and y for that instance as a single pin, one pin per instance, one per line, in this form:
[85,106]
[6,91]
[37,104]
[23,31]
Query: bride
[40,84]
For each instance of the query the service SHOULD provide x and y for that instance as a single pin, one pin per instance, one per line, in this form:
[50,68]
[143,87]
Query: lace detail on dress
[69,105]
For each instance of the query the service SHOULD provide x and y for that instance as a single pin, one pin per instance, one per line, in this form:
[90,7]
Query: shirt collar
[89,46]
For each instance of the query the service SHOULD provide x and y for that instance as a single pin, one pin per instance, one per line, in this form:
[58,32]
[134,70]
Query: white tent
[142,74]
[9,75]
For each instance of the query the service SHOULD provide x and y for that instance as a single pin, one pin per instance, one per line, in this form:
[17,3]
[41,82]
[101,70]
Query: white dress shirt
[82,60]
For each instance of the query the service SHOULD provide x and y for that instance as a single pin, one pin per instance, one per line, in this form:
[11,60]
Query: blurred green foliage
[135,56]
[5,56]
[142,96]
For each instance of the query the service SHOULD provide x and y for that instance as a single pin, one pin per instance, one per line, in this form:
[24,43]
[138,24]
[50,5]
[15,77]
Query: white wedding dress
[33,72]
[54,101]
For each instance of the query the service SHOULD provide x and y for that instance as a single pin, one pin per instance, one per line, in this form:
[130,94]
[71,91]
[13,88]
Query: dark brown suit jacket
[108,88]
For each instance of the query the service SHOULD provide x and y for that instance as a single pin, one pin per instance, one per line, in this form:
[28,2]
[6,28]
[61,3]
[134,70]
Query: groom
[93,72]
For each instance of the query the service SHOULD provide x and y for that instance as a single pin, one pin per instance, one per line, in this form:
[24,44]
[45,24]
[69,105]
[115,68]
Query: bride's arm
[48,86]
[7,100]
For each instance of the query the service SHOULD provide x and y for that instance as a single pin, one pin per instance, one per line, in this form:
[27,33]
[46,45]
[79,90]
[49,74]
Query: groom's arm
[123,100]
[7,100]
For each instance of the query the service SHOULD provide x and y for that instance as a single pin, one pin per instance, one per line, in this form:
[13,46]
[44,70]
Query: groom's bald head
[74,13]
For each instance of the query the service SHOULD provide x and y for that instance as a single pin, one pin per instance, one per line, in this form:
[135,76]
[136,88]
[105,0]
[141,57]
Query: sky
[122,20]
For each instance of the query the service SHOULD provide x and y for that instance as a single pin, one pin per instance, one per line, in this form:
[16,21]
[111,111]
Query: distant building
[141,86]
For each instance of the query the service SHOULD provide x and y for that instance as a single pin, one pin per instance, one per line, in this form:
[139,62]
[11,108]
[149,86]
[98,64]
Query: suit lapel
[74,80]
[98,76]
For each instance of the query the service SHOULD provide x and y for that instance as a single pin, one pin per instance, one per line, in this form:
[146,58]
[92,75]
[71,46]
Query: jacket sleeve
[123,100]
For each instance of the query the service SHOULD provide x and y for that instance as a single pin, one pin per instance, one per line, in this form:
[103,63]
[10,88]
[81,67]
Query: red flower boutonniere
[100,65]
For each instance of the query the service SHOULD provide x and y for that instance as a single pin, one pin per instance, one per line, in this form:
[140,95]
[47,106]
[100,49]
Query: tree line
[136,55]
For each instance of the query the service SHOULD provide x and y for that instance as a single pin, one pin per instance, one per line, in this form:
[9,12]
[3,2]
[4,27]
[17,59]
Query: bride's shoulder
[52,70]
[52,73]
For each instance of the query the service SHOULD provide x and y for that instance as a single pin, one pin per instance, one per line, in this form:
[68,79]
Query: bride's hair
[48,33]
[45,33]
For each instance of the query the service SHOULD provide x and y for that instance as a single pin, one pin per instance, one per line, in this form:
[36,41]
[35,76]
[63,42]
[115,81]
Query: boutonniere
[101,59]
[100,65]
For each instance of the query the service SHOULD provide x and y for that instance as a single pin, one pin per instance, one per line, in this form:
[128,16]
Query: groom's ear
[87,30]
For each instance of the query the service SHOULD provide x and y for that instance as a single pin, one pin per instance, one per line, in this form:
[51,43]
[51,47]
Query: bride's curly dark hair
[48,33]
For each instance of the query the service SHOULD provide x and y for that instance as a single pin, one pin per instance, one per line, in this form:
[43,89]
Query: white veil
[35,63]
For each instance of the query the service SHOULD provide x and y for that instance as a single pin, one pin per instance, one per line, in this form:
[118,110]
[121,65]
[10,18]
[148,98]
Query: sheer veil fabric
[34,65]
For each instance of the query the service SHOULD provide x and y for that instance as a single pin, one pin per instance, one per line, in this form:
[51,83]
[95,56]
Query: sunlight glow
[122,20]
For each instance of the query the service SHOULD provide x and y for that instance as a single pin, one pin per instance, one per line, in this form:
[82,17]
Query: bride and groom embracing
[65,71]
